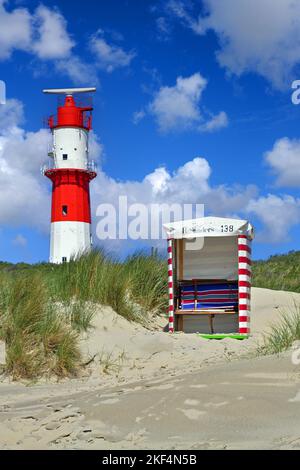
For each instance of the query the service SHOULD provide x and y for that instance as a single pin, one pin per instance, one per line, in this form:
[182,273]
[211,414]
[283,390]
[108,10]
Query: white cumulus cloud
[178,107]
[109,56]
[44,34]
[77,70]
[261,36]
[24,198]
[52,41]
[11,115]
[278,215]
[216,122]
[284,160]
[15,30]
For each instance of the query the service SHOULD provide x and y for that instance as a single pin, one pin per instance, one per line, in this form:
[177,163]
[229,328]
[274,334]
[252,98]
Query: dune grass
[94,277]
[38,340]
[81,315]
[282,334]
[279,272]
[100,278]
[147,281]
[44,307]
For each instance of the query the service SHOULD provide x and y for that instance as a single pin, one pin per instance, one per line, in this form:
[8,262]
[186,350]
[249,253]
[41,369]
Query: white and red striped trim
[170,285]
[244,283]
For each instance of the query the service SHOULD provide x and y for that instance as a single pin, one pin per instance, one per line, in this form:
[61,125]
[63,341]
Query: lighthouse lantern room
[70,171]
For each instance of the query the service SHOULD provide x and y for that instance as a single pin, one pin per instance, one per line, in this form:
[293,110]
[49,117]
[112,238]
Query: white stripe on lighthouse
[69,239]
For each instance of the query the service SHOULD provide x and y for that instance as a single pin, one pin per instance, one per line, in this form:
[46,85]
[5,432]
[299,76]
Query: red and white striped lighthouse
[70,172]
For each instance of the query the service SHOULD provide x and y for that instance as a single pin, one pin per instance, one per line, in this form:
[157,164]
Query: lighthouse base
[68,240]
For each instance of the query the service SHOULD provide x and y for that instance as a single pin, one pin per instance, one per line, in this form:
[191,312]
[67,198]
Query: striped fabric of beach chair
[217,295]
[188,296]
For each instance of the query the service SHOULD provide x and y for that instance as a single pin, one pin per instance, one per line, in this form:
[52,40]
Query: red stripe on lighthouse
[71,115]
[70,195]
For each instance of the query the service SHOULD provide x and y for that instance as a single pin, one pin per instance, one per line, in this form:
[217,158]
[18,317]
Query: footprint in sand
[216,405]
[162,387]
[191,402]
[191,413]
[198,386]
[109,401]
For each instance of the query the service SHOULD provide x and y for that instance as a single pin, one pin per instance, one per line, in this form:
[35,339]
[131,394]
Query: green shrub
[280,272]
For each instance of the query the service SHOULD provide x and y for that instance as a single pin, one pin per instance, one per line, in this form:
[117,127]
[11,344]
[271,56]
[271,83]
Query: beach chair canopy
[209,227]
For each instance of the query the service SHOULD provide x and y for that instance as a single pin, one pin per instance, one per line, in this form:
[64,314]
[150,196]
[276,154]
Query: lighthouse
[71,172]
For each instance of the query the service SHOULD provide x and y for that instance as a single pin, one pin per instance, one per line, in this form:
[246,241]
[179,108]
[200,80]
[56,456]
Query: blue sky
[193,104]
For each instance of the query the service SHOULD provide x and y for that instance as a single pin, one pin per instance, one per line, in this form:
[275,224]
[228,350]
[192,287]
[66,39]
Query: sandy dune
[135,352]
[148,389]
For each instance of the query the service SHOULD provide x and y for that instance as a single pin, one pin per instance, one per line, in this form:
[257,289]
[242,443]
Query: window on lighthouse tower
[64,210]
[65,156]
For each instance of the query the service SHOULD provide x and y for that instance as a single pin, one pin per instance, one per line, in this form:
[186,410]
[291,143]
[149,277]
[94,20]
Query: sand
[147,389]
